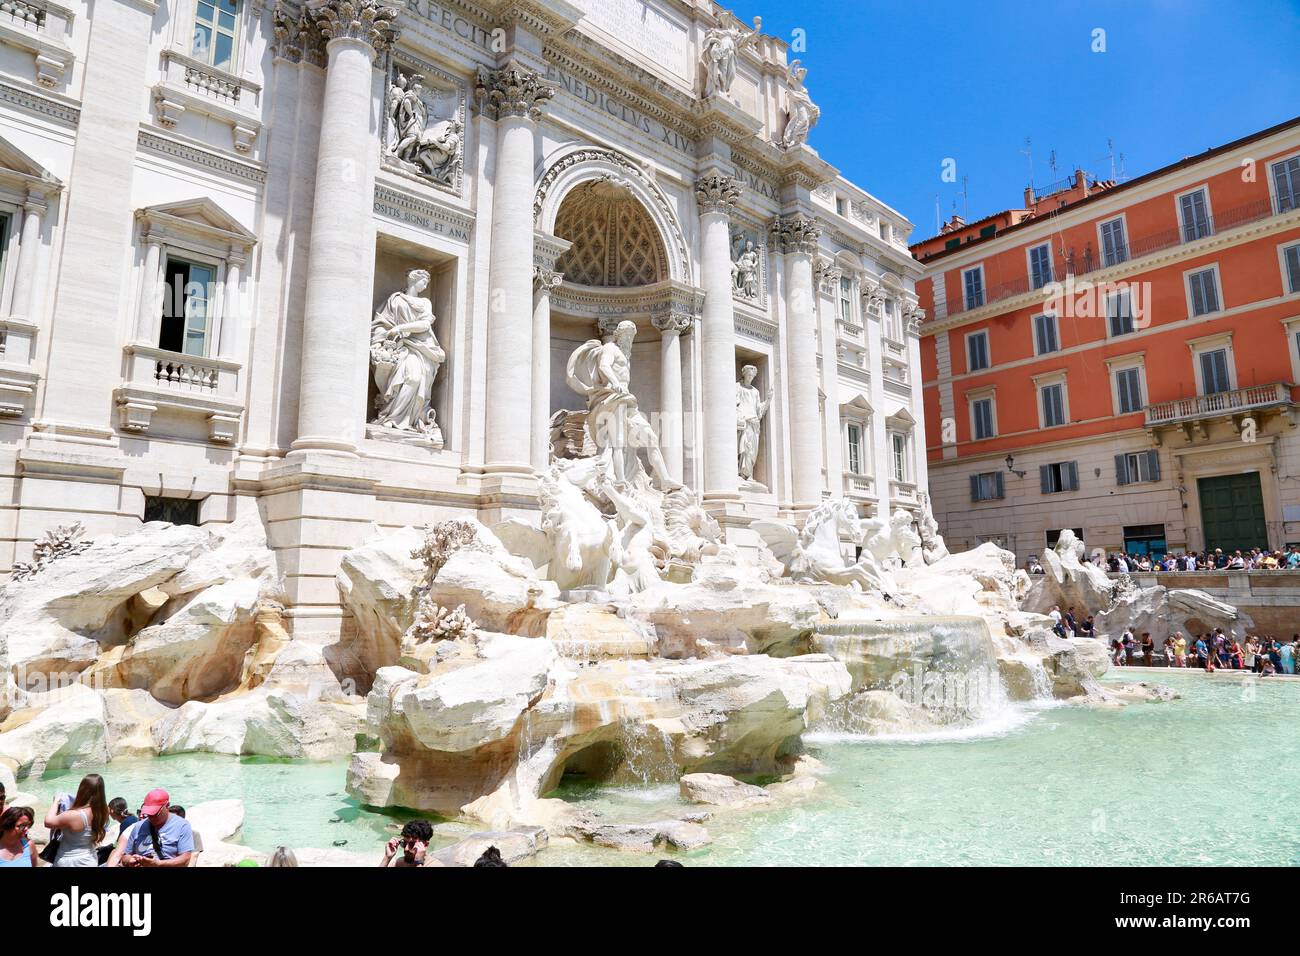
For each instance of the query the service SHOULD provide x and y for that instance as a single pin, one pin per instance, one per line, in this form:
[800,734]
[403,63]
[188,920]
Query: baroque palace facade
[1122,359]
[328,261]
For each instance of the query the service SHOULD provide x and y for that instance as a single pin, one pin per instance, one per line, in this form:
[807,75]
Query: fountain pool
[1180,783]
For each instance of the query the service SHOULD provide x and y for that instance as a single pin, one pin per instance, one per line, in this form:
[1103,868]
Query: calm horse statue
[813,555]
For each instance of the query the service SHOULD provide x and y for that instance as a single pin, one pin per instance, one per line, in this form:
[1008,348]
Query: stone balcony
[190,85]
[1193,415]
[41,29]
[859,487]
[903,494]
[188,385]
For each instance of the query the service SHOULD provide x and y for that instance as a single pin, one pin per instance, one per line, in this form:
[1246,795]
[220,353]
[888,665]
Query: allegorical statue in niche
[744,271]
[600,372]
[801,112]
[433,150]
[750,409]
[721,45]
[406,357]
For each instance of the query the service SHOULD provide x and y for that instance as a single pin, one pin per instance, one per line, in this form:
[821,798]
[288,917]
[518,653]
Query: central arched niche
[615,242]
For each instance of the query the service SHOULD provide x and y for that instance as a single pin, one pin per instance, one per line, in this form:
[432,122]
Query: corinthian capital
[370,21]
[513,91]
[717,193]
[544,279]
[676,321]
[795,233]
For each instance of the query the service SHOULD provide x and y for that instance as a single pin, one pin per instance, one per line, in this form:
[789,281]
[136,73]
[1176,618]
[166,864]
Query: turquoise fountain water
[1209,779]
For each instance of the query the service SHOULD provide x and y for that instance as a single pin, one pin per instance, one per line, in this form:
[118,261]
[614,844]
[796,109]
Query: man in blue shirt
[162,838]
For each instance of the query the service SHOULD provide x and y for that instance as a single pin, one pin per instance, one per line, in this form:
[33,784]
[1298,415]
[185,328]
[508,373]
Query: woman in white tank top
[82,826]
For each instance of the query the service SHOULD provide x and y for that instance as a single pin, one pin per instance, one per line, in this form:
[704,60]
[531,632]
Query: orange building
[1122,359]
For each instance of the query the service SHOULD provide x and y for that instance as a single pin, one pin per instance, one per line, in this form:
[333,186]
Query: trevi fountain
[614,679]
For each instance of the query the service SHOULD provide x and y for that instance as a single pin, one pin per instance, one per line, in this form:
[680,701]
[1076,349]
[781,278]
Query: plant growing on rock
[56,543]
[441,541]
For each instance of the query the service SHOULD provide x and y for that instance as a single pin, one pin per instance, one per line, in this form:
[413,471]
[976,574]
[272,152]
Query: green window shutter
[1121,470]
[1153,457]
[1073,469]
[1045,479]
[998,482]
[974,487]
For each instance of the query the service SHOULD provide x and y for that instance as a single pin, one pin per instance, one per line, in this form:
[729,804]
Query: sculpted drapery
[406,358]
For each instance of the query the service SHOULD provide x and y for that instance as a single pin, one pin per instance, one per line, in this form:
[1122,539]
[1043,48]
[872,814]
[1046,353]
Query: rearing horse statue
[813,555]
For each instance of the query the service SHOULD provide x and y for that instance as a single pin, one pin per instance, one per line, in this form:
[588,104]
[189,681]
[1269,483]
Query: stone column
[828,276]
[230,306]
[515,98]
[544,280]
[28,253]
[796,235]
[340,263]
[148,309]
[671,325]
[717,196]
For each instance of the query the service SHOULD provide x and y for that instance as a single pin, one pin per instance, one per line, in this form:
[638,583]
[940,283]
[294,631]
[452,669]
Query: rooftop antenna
[965,198]
[1051,162]
[1122,174]
[1029,151]
[1110,151]
[938,216]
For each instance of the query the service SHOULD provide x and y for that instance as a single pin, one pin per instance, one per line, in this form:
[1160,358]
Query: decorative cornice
[39,104]
[370,21]
[827,274]
[295,37]
[513,91]
[717,193]
[796,233]
[201,157]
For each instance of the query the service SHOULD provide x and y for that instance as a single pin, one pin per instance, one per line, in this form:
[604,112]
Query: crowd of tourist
[1213,651]
[1255,559]
[157,834]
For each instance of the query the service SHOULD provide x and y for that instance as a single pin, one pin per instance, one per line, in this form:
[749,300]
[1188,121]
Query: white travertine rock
[217,821]
[1163,611]
[377,583]
[515,847]
[199,650]
[726,609]
[519,730]
[61,729]
[130,715]
[647,837]
[500,592]
[236,550]
[1075,664]
[55,620]
[720,790]
[265,721]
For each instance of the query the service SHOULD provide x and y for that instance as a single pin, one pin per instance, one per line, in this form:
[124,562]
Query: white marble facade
[205,203]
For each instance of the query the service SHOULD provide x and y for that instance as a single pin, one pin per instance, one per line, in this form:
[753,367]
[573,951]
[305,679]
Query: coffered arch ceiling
[615,241]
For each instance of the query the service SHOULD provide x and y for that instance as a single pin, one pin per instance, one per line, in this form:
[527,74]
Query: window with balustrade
[898,465]
[1040,266]
[1290,256]
[1114,243]
[1194,214]
[973,286]
[856,447]
[216,30]
[846,300]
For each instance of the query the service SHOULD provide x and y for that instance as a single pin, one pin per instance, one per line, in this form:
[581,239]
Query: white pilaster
[231,308]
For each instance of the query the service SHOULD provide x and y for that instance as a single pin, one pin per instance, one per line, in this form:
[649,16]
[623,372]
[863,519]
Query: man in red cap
[161,838]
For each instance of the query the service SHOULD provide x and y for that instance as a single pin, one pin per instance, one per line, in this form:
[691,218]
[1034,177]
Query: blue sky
[904,85]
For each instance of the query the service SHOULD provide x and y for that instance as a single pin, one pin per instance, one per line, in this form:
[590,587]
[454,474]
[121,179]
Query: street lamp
[1011,462]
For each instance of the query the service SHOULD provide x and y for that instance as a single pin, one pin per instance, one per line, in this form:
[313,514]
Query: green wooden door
[1232,512]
